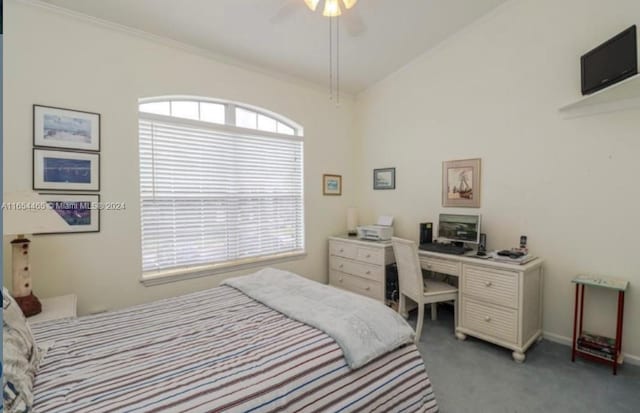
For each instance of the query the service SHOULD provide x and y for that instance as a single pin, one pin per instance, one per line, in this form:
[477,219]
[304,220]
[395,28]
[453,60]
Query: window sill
[181,274]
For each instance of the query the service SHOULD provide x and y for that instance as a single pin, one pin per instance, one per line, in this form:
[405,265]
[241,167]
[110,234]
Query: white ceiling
[377,38]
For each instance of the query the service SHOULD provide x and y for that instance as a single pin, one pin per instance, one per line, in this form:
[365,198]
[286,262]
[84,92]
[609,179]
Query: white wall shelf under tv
[621,96]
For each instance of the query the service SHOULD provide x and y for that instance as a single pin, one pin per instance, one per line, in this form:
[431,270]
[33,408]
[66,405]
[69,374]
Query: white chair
[413,287]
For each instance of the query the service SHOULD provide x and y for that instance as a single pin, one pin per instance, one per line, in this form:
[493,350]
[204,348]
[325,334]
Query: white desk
[500,303]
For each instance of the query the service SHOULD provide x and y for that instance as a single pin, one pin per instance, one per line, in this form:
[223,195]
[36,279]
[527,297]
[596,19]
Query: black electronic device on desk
[511,254]
[445,248]
[455,228]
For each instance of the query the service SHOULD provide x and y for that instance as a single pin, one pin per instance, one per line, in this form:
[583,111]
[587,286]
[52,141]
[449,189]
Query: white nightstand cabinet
[359,266]
[56,308]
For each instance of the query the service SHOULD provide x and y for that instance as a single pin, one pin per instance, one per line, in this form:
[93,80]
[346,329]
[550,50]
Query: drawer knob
[368,288]
[428,265]
[368,255]
[488,283]
[341,266]
[368,272]
[340,280]
[487,319]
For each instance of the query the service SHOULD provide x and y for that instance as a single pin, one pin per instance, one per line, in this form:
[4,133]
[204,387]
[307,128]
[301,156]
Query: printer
[382,231]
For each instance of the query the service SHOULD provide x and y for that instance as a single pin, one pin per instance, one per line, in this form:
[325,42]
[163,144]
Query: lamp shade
[352,219]
[331,8]
[29,213]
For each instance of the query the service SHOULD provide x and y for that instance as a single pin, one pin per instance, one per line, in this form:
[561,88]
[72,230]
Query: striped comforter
[215,350]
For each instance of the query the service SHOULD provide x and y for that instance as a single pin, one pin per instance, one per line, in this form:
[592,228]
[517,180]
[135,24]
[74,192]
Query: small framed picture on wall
[65,170]
[384,178]
[461,183]
[80,212]
[66,128]
[331,184]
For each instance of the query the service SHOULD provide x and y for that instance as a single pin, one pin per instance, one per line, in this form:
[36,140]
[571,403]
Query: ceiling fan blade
[354,23]
[289,8]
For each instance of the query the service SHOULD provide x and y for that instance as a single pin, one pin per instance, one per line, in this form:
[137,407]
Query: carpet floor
[475,376]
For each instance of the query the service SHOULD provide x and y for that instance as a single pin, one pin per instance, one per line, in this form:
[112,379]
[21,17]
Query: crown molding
[175,44]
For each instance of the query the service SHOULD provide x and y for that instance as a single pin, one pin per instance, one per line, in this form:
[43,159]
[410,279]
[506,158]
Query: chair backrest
[409,270]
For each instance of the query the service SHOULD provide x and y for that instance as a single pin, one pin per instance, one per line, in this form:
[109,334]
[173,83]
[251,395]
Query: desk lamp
[27,213]
[352,222]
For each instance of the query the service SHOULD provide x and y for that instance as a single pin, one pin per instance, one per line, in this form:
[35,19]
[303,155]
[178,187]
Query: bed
[215,350]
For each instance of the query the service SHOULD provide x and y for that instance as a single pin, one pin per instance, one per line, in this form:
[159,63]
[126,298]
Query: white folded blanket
[364,328]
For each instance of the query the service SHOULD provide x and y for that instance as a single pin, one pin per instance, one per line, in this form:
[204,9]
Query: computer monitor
[459,228]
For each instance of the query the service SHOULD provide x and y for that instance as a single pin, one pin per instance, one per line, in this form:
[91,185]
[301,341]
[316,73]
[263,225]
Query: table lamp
[352,222]
[27,213]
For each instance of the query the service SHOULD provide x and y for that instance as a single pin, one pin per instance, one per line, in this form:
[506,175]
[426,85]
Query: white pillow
[20,357]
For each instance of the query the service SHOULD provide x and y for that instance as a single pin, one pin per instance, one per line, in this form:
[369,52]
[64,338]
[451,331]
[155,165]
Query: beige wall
[53,59]
[493,92]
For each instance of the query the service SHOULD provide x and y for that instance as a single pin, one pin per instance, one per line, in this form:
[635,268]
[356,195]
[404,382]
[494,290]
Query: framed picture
[461,183]
[384,178]
[65,170]
[80,212]
[331,184]
[66,128]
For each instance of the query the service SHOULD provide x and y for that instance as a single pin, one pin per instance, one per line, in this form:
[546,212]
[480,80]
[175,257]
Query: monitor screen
[459,228]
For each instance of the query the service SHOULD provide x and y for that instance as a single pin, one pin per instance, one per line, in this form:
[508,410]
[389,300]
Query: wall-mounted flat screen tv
[611,62]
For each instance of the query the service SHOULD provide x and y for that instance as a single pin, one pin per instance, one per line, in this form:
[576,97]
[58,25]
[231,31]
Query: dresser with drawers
[359,266]
[498,302]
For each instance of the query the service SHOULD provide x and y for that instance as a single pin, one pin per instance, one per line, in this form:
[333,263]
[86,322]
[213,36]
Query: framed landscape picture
[80,212]
[65,170]
[384,178]
[65,128]
[461,183]
[331,184]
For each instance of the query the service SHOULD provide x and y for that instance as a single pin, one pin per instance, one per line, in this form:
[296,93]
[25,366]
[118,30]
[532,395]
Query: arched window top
[220,112]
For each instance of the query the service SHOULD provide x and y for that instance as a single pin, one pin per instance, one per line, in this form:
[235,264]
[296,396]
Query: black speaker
[482,247]
[426,233]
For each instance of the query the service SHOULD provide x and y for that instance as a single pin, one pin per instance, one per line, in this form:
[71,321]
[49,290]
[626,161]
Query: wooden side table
[613,353]
[56,308]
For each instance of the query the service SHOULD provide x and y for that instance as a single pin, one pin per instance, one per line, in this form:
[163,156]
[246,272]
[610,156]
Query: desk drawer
[359,285]
[492,285]
[440,265]
[371,255]
[498,322]
[372,272]
[343,249]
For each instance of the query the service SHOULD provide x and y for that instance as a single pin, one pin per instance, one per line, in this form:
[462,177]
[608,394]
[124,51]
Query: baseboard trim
[557,338]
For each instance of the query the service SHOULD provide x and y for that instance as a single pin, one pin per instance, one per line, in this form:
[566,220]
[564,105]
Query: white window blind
[212,196]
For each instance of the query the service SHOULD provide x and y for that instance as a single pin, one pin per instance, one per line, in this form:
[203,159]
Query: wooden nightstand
[56,308]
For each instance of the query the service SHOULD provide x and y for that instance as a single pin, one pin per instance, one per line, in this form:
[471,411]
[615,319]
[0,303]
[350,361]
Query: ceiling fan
[331,8]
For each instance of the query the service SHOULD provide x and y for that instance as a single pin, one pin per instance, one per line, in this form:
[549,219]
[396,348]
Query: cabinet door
[440,265]
[359,285]
[343,249]
[491,285]
[371,255]
[373,272]
[492,321]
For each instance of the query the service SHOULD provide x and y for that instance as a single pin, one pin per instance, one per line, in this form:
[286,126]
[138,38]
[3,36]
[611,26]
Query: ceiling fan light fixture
[349,3]
[312,4]
[331,8]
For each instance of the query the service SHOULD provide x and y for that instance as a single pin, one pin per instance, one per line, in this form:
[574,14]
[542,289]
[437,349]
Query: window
[220,185]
